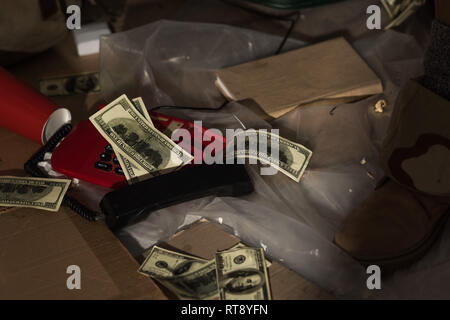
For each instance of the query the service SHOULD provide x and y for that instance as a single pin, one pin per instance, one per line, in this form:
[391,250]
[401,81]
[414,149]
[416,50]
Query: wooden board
[327,70]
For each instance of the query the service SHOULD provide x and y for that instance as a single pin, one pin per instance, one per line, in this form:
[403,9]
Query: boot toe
[387,225]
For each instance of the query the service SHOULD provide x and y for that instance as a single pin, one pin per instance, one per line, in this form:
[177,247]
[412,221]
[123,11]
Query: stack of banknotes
[239,273]
[142,150]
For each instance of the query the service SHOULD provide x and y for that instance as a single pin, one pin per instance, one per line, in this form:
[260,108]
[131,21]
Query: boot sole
[390,265]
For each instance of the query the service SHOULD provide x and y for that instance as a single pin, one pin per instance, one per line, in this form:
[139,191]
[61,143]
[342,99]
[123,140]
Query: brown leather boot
[400,220]
[393,227]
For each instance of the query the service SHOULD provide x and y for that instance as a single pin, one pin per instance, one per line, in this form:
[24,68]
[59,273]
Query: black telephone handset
[134,203]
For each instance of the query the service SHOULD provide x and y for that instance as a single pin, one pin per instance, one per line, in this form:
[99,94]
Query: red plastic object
[22,109]
[80,150]
[168,124]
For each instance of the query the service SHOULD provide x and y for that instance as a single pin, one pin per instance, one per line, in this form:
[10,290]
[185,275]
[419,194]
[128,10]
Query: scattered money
[198,284]
[293,157]
[186,276]
[242,275]
[64,86]
[134,173]
[38,193]
[137,140]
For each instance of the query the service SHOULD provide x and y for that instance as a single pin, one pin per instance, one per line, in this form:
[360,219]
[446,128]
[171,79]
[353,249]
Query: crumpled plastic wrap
[174,63]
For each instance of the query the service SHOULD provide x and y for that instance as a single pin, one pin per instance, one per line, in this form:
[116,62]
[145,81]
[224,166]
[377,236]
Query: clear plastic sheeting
[174,63]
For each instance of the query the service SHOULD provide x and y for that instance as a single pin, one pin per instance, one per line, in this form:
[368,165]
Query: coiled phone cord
[32,169]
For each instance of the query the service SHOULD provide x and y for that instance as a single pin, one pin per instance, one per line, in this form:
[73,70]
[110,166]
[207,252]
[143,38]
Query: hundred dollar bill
[242,275]
[162,263]
[140,106]
[186,276]
[240,245]
[198,284]
[293,158]
[64,86]
[38,193]
[132,172]
[136,139]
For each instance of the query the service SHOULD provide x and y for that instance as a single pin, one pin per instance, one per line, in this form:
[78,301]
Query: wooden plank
[327,70]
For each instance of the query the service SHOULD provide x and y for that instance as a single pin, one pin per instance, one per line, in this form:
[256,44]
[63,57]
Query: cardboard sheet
[37,247]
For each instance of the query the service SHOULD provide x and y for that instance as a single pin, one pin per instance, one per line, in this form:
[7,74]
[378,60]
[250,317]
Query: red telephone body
[84,154]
